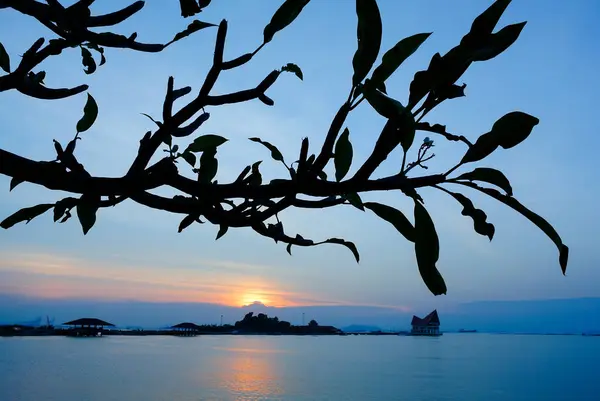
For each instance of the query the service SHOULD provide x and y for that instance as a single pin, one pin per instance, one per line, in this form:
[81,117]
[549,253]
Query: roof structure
[88,321]
[430,320]
[186,325]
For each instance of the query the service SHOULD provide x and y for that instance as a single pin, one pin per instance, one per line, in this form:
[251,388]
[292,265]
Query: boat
[467,331]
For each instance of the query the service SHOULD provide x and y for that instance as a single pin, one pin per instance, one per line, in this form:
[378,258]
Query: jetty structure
[87,327]
[427,326]
[185,329]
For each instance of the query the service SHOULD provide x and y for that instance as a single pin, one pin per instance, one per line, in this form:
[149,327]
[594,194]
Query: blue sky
[134,253]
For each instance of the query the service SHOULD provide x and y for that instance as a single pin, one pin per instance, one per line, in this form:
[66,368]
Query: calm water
[454,367]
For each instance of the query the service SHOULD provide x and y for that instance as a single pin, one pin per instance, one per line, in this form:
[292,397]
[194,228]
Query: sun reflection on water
[248,372]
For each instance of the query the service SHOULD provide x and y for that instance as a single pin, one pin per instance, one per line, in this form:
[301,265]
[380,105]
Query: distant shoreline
[172,333]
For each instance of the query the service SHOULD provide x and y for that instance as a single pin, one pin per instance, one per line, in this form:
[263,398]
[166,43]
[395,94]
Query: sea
[465,367]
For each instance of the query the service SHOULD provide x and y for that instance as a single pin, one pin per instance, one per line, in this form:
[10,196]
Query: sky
[133,253]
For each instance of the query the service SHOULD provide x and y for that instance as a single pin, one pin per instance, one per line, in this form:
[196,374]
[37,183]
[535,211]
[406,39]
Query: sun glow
[250,298]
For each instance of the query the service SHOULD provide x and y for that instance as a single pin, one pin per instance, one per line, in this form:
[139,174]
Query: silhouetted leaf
[343,155]
[404,126]
[479,217]
[14,182]
[510,130]
[99,49]
[540,222]
[347,244]
[208,166]
[4,59]
[427,250]
[222,231]
[90,113]
[485,23]
[489,175]
[61,207]
[368,34]
[288,248]
[291,67]
[275,231]
[355,200]
[513,128]
[383,104]
[285,15]
[394,57]
[158,123]
[87,61]
[189,157]
[186,222]
[498,42]
[189,8]
[255,177]
[206,142]
[195,26]
[275,153]
[86,211]
[395,217]
[27,214]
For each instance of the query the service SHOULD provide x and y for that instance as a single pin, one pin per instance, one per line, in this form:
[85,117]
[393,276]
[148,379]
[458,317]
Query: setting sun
[251,297]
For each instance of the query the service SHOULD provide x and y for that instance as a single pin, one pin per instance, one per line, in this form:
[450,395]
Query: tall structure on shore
[427,326]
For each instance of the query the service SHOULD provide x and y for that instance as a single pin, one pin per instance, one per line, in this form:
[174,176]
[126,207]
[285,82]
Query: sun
[252,297]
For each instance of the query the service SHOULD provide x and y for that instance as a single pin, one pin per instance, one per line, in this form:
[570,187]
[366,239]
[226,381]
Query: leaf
[61,207]
[205,142]
[498,42]
[343,155]
[489,175]
[291,67]
[189,157]
[275,153]
[158,123]
[275,231]
[288,248]
[90,113]
[485,23]
[507,132]
[403,121]
[87,61]
[208,166]
[368,34]
[355,200]
[189,8]
[222,231]
[345,243]
[195,26]
[86,211]
[4,59]
[99,49]
[539,221]
[186,222]
[383,104]
[395,217]
[513,128]
[393,58]
[479,217]
[427,250]
[26,214]
[14,182]
[285,15]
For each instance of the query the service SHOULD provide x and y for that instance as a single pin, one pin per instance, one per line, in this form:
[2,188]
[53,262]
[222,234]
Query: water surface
[465,367]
